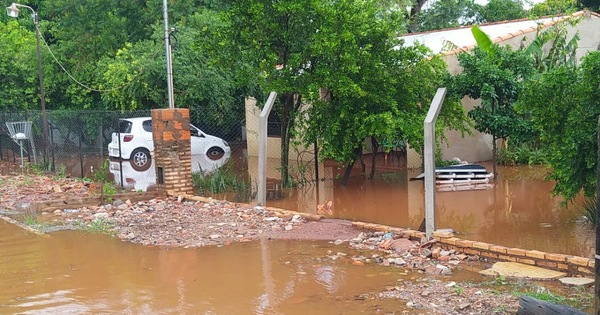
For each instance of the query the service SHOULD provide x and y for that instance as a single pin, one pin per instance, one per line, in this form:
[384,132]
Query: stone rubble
[167,222]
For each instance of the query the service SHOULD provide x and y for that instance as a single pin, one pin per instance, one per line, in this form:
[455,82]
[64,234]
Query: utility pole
[597,256]
[168,55]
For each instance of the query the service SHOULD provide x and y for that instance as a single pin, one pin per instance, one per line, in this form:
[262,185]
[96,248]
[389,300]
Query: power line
[77,81]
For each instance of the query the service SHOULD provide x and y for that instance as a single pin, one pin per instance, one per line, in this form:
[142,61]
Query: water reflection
[519,211]
[126,176]
[72,272]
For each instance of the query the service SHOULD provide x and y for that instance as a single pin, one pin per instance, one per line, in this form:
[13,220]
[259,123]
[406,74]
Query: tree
[276,39]
[502,10]
[565,104]
[554,7]
[391,101]
[495,75]
[445,14]
[593,5]
[18,68]
[348,48]
[200,84]
[552,48]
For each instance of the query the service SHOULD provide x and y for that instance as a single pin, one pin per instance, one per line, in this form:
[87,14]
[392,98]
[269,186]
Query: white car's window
[147,125]
[196,132]
[124,126]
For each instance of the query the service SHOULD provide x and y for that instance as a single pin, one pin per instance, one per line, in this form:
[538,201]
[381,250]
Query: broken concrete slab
[577,281]
[518,270]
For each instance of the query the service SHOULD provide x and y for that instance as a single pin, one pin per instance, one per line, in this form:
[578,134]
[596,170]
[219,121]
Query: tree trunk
[375,149]
[494,153]
[350,165]
[290,104]
[363,166]
[347,172]
[494,160]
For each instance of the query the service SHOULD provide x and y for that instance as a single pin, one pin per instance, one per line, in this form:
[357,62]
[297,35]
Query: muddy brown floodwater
[518,211]
[74,272]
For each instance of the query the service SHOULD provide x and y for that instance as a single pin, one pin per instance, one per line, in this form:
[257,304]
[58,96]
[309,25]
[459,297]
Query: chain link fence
[77,145]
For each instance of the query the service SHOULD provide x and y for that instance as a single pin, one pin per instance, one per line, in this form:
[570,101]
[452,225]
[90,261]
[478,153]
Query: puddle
[73,272]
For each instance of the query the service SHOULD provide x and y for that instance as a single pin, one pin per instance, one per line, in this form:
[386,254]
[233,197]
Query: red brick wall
[172,150]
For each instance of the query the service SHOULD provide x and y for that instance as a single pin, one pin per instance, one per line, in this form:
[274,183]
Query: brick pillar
[172,150]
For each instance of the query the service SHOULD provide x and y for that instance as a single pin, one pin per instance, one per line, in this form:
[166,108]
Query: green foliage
[552,48]
[590,210]
[578,298]
[97,226]
[593,5]
[108,190]
[564,105]
[484,42]
[502,10]
[347,49]
[445,14]
[32,221]
[496,75]
[103,174]
[520,155]
[18,67]
[458,290]
[223,179]
[554,7]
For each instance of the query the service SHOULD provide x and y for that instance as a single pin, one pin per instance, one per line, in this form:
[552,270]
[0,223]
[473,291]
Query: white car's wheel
[215,153]
[140,159]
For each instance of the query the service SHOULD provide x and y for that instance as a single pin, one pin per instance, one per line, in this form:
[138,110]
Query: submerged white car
[134,141]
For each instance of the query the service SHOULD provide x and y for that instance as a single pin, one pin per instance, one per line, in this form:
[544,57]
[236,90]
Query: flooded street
[74,272]
[78,272]
[518,211]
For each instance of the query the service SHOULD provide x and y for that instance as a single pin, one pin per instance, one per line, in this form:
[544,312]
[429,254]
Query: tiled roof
[498,32]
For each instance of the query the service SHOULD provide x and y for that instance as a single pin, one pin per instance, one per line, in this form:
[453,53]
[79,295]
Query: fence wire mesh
[78,145]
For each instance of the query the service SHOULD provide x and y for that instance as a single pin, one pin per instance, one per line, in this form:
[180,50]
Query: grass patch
[33,221]
[577,297]
[589,210]
[523,155]
[101,176]
[222,180]
[97,226]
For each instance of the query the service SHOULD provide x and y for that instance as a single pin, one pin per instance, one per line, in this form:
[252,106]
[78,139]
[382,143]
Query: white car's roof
[132,119]
[138,119]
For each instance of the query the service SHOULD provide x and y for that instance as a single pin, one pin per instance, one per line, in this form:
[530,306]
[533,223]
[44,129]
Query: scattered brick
[464,243]
[576,260]
[498,249]
[536,254]
[481,245]
[547,264]
[489,254]
[584,270]
[526,261]
[556,257]
[516,251]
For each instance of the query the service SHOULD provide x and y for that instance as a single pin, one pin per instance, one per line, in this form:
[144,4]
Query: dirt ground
[191,223]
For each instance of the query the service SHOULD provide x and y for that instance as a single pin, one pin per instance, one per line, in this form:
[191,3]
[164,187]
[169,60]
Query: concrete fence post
[262,149]
[429,160]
